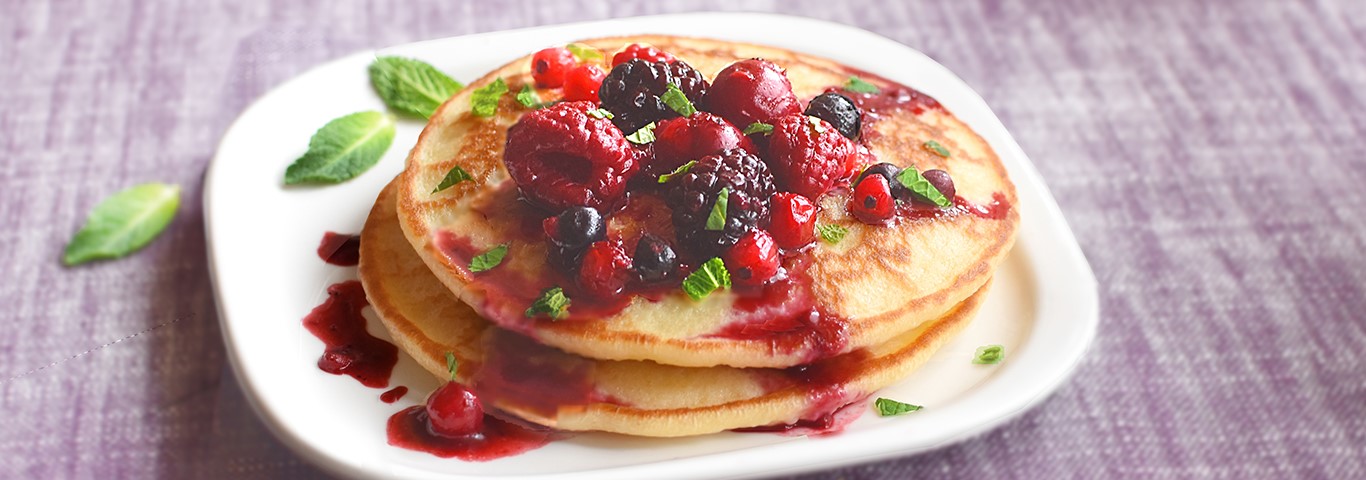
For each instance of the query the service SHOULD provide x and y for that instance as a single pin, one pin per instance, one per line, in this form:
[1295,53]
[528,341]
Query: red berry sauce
[538,379]
[340,249]
[996,210]
[411,429]
[350,349]
[392,395]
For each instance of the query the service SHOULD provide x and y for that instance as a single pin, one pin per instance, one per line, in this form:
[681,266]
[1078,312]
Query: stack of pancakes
[659,366]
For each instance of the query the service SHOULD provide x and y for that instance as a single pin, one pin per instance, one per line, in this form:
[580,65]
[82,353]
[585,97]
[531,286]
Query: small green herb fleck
[123,223]
[989,355]
[452,364]
[717,219]
[484,101]
[678,101]
[832,233]
[889,408]
[855,84]
[411,86]
[453,177]
[817,125]
[528,98]
[938,149]
[583,52]
[600,114]
[758,127]
[552,303]
[921,187]
[343,148]
[489,259]
[645,135]
[706,279]
[682,169]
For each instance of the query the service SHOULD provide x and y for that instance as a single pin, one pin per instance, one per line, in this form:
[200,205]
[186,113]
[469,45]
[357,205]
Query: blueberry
[654,259]
[579,226]
[838,110]
[941,181]
[899,191]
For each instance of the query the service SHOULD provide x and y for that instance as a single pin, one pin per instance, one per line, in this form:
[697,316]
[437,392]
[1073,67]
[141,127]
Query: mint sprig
[717,219]
[921,187]
[859,85]
[552,303]
[488,260]
[123,223]
[453,177]
[887,407]
[678,101]
[989,355]
[708,277]
[682,169]
[758,127]
[936,148]
[832,233]
[343,148]
[645,135]
[484,100]
[411,86]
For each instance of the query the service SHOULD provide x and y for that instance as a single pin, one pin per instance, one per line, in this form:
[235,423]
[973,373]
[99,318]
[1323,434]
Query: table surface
[1209,156]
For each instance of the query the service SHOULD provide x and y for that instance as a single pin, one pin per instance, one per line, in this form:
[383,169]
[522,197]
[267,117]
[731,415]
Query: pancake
[877,283]
[546,386]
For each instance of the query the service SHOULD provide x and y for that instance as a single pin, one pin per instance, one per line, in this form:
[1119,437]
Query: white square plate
[262,237]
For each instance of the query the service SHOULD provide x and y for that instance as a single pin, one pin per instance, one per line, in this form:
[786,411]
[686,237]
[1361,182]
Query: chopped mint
[832,233]
[600,114]
[682,169]
[717,219]
[989,355]
[708,277]
[938,149]
[758,127]
[855,84]
[645,135]
[452,364]
[453,177]
[891,408]
[678,101]
[527,97]
[484,101]
[552,303]
[489,259]
[921,187]
[583,52]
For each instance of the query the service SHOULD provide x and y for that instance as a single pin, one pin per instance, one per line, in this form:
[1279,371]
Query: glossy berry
[751,91]
[792,221]
[454,411]
[753,260]
[807,155]
[562,157]
[604,270]
[654,259]
[549,66]
[872,202]
[632,91]
[941,181]
[678,140]
[581,83]
[838,110]
[888,171]
[643,52]
[693,195]
[576,227]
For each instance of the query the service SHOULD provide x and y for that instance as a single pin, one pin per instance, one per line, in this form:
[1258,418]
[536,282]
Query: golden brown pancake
[540,384]
[876,284]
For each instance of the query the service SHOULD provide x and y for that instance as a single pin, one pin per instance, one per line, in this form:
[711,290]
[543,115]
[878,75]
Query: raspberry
[753,260]
[751,91]
[941,181]
[872,202]
[549,66]
[693,194]
[808,155]
[654,259]
[454,411]
[793,221]
[562,157]
[632,90]
[837,109]
[643,52]
[678,140]
[605,269]
[582,82]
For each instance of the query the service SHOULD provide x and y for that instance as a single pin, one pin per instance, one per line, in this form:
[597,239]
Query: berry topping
[549,66]
[693,196]
[753,260]
[561,157]
[941,181]
[605,269]
[807,155]
[577,227]
[654,259]
[793,220]
[837,109]
[888,171]
[454,411]
[632,91]
[678,140]
[643,52]
[581,83]
[751,91]
[872,202]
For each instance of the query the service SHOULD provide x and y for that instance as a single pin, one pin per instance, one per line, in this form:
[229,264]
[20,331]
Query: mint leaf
[855,84]
[706,279]
[583,52]
[989,355]
[938,149]
[484,101]
[831,233]
[453,177]
[600,114]
[758,127]
[645,135]
[489,259]
[528,98]
[411,86]
[891,408]
[451,364]
[920,186]
[123,223]
[342,149]
[678,101]
[717,219]
[552,303]
[682,169]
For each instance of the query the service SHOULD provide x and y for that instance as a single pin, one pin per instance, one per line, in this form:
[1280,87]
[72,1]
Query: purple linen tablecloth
[1210,157]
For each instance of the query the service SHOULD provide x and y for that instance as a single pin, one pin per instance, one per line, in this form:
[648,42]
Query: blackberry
[693,194]
[837,109]
[632,90]
[654,259]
